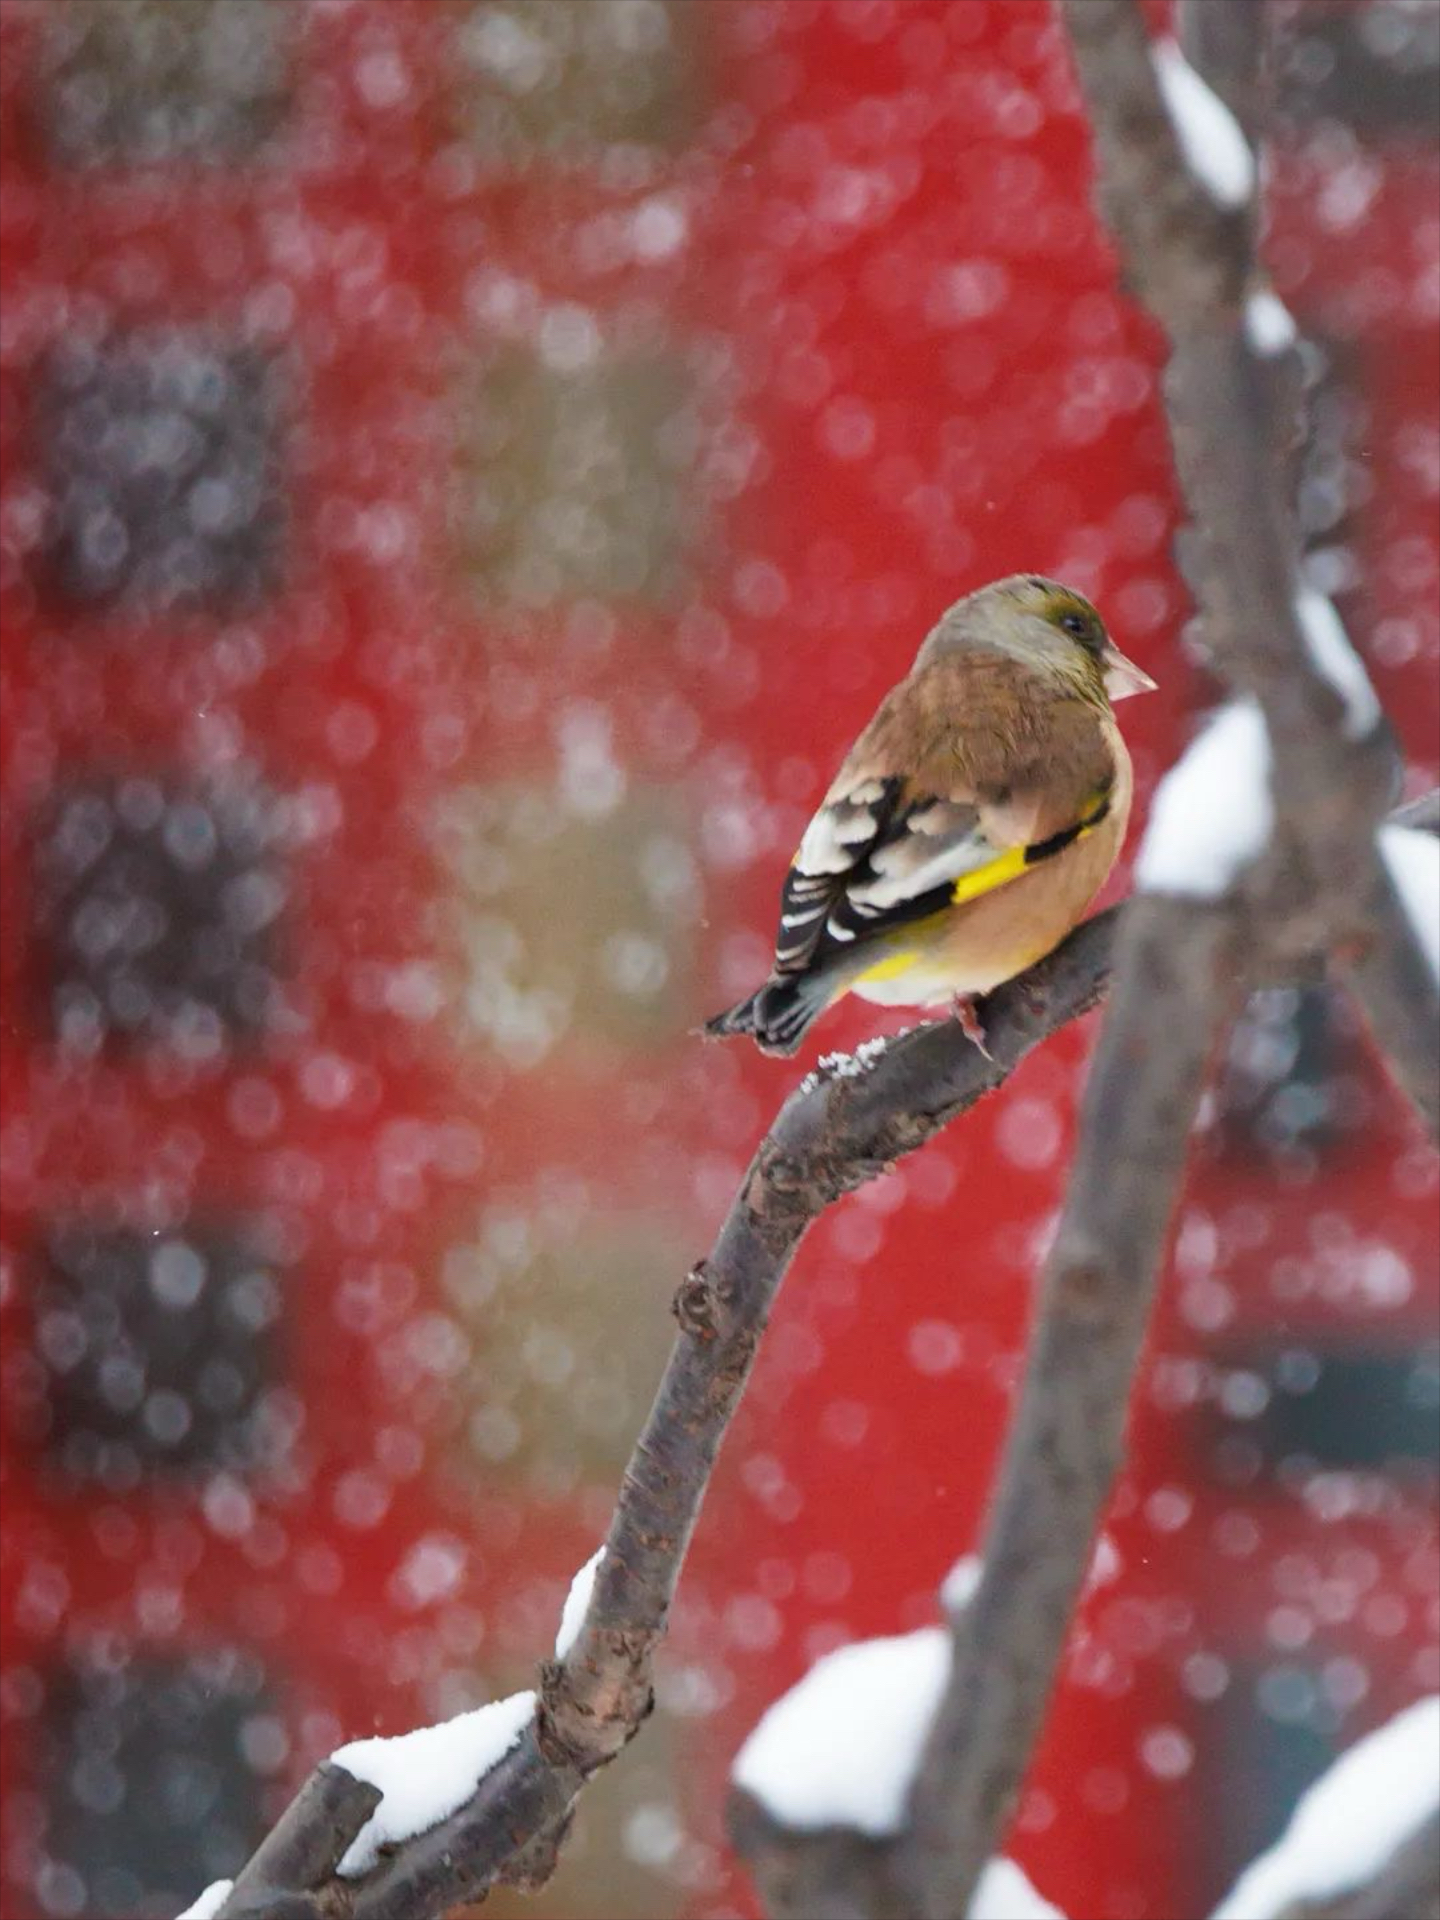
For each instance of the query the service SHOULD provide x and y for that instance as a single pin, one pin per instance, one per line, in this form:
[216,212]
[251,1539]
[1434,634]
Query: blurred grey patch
[566,1356]
[149,1794]
[1373,68]
[575,472]
[161,464]
[570,81]
[142,82]
[1277,1082]
[158,1350]
[576,912]
[1328,1408]
[157,906]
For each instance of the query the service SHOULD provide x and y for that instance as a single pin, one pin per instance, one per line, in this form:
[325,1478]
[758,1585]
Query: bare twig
[303,1848]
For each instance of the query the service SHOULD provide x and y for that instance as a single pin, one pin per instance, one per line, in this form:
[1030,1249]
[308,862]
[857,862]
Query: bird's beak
[1122,676]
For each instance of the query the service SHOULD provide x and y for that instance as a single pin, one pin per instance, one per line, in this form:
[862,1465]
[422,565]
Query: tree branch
[1233,419]
[840,1128]
[1179,967]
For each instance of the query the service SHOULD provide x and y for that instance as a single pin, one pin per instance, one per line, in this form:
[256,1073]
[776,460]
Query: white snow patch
[959,1586]
[841,1748]
[1335,660]
[1413,858]
[209,1903]
[425,1775]
[1212,813]
[849,1066]
[1106,1564]
[1003,1892]
[1211,142]
[1349,1823]
[1269,324]
[844,1066]
[577,1601]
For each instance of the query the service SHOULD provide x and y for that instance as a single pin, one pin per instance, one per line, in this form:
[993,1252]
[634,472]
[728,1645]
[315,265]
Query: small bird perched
[972,823]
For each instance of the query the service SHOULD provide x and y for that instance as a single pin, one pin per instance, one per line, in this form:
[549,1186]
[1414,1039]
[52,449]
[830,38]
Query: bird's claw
[971,1024]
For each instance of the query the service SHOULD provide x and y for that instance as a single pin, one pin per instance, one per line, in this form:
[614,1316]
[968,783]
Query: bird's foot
[970,1022]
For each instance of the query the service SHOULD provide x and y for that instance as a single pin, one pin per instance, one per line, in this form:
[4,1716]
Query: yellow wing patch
[1005,866]
[998,872]
[891,968]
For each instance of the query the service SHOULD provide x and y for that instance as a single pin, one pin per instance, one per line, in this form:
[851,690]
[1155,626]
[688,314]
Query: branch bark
[1179,968]
[841,1127]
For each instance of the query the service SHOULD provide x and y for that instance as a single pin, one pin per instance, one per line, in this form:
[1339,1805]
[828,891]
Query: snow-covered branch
[1232,389]
[499,1812]
[1376,1807]
[470,1818]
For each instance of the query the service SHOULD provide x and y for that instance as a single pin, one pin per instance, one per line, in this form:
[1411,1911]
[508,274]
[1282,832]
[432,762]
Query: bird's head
[1047,626]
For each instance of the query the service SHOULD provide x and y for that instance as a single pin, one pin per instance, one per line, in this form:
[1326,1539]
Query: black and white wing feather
[874,857]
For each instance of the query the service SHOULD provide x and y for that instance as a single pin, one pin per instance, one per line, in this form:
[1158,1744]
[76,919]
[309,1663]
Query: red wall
[914,372]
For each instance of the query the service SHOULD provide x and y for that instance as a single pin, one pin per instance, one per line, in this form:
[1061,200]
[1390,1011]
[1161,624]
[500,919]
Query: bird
[971,824]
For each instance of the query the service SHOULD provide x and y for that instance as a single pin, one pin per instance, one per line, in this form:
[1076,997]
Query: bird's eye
[1075,623]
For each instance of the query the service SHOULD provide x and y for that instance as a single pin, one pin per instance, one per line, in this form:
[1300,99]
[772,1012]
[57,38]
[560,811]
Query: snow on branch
[1269,324]
[842,1747]
[426,1774]
[1413,859]
[1215,149]
[206,1905]
[1211,816]
[1350,1823]
[1335,659]
[577,1604]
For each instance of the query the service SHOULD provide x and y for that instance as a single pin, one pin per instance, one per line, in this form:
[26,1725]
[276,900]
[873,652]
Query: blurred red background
[638,384]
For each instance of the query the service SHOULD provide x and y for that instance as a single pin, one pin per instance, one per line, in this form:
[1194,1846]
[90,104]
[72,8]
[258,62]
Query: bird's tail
[778,1015]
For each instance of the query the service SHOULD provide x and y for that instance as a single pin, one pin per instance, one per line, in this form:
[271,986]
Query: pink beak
[1122,676]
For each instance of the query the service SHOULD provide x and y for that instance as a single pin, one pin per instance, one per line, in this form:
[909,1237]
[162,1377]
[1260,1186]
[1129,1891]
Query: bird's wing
[886,849]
